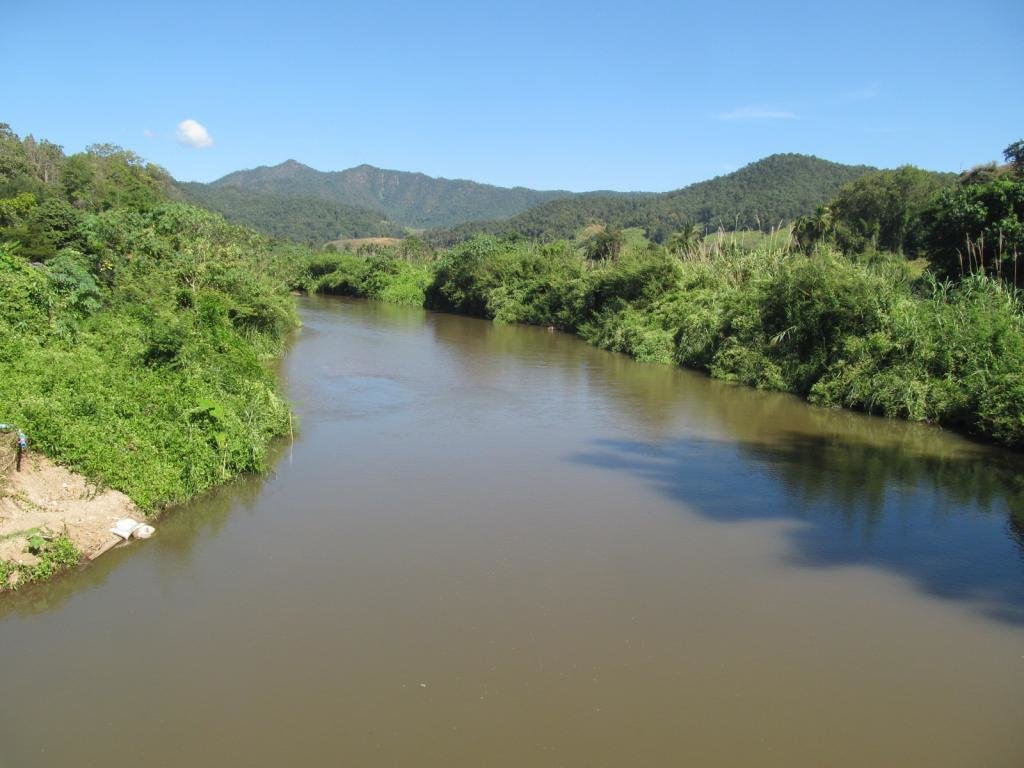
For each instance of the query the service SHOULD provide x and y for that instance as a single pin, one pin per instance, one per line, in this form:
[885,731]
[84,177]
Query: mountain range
[294,201]
[412,199]
[300,218]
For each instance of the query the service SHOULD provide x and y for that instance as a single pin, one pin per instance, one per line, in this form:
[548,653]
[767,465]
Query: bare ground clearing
[47,499]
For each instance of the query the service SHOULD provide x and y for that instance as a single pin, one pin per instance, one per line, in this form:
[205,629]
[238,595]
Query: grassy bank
[54,554]
[141,360]
[873,335]
[138,335]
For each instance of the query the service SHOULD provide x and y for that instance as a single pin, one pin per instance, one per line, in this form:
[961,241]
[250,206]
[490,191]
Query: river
[498,546]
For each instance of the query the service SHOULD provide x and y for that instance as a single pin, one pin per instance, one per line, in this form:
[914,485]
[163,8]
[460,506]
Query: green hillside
[777,189]
[411,199]
[302,219]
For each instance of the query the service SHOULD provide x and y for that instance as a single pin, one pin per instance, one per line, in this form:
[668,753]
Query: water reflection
[943,511]
[949,523]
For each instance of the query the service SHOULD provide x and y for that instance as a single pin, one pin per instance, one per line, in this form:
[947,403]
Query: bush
[108,351]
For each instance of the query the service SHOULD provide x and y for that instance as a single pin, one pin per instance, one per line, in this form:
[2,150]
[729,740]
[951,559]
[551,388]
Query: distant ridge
[778,188]
[302,219]
[292,200]
[411,199]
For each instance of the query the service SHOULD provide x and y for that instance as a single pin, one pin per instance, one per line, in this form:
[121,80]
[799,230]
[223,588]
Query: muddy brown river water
[498,546]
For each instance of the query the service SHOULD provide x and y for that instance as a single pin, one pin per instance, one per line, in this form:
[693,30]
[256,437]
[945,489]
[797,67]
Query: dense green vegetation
[409,199]
[883,210]
[761,195]
[966,226]
[135,332]
[382,276]
[299,203]
[868,334]
[301,219]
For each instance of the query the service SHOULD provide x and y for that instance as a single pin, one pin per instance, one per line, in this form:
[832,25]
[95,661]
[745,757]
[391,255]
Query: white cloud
[756,113]
[149,134]
[194,134]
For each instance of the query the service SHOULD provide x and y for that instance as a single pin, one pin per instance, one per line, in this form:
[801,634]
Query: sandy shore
[46,498]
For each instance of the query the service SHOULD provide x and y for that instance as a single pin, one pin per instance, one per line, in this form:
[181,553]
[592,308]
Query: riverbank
[535,529]
[138,342]
[147,371]
[874,335]
[50,517]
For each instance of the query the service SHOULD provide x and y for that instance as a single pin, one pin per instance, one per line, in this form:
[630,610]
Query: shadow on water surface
[943,512]
[952,524]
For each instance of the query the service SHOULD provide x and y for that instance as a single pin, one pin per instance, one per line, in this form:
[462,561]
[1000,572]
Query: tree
[808,231]
[50,226]
[882,210]
[44,159]
[1014,155]
[106,176]
[604,244]
[684,240]
[78,178]
[981,174]
[15,210]
[14,167]
[975,228]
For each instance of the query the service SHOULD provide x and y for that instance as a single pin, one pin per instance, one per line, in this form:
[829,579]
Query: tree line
[962,225]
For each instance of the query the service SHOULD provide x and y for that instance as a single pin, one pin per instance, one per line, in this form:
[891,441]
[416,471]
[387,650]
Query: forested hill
[301,219]
[410,199]
[296,202]
[779,188]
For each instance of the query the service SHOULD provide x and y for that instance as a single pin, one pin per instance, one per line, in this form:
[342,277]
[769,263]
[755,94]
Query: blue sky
[574,95]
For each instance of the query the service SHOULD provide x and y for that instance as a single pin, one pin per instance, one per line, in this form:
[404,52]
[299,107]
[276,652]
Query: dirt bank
[46,499]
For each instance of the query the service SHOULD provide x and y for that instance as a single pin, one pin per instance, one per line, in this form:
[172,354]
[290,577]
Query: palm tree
[811,230]
[685,240]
